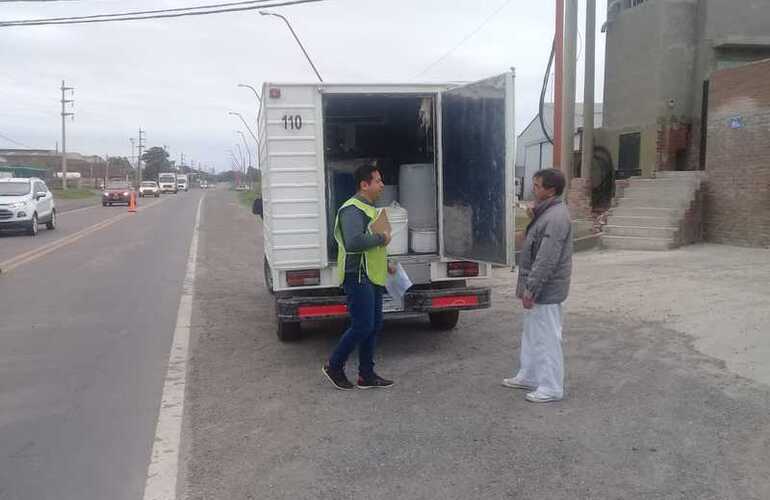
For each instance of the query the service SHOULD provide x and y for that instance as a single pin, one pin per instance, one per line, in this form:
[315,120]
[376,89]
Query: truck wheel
[288,331]
[444,320]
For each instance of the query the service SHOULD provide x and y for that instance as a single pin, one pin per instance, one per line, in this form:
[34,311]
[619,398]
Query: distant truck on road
[167,182]
[182,182]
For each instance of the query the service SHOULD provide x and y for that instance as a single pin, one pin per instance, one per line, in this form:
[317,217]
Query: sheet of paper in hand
[398,283]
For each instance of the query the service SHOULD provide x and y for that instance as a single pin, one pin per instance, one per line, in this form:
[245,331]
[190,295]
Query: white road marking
[161,483]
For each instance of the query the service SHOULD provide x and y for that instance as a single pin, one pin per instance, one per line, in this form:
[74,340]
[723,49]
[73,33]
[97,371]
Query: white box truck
[182,182]
[167,182]
[312,136]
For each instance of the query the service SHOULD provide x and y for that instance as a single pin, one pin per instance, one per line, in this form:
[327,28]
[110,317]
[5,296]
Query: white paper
[398,283]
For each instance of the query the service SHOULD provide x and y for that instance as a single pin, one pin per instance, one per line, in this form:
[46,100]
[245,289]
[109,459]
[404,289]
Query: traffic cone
[132,202]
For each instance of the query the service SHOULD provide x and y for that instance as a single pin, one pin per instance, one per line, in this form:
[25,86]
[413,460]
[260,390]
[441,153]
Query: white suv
[26,203]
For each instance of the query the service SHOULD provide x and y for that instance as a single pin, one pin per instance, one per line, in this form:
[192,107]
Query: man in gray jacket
[545,269]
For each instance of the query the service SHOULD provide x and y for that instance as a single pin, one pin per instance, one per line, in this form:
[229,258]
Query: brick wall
[737,195]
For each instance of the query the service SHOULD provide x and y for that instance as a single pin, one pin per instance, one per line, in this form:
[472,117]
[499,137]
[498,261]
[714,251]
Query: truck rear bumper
[415,302]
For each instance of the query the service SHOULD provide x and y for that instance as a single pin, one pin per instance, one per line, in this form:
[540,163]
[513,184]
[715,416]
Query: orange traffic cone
[132,202]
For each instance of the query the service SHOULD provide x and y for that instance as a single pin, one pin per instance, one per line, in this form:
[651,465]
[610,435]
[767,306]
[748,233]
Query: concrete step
[636,243]
[654,202]
[666,181]
[668,174]
[666,232]
[641,221]
[669,213]
[657,189]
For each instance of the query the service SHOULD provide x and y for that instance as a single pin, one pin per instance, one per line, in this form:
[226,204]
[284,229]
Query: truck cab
[167,182]
[446,155]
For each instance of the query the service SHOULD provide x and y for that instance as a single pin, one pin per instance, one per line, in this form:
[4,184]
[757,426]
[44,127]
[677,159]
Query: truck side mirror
[256,207]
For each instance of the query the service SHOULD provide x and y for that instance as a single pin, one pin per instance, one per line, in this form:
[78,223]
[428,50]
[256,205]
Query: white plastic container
[388,196]
[417,193]
[399,223]
[423,240]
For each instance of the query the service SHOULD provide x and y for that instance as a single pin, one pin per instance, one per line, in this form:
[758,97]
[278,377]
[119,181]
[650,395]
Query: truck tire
[445,320]
[288,331]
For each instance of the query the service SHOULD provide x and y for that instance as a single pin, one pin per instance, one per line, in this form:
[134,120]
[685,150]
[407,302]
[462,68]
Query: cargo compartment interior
[397,133]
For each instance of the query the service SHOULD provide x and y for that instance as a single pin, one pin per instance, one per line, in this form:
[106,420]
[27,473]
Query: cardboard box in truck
[446,154]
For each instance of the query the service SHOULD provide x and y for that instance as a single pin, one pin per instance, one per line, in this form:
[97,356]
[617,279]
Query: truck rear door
[476,174]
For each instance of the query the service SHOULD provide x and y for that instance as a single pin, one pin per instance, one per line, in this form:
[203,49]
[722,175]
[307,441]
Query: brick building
[738,156]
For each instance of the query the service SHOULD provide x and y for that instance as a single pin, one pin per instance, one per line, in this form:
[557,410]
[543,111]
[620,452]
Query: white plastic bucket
[399,222]
[388,196]
[423,240]
[417,193]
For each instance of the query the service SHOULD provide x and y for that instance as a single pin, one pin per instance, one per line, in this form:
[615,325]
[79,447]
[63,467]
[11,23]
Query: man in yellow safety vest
[362,263]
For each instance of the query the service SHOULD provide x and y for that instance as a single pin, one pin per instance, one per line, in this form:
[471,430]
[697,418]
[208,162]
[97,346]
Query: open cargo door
[477,127]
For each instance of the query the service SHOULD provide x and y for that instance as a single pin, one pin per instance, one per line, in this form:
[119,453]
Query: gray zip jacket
[545,262]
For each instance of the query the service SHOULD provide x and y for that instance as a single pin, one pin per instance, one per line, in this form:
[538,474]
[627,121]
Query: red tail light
[462,269]
[275,93]
[309,277]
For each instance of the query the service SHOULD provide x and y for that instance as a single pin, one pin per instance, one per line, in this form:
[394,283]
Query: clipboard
[381,225]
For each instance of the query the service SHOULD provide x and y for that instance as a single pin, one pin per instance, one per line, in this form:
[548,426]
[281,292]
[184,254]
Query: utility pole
[558,84]
[588,95]
[106,169]
[139,157]
[64,115]
[568,104]
[132,158]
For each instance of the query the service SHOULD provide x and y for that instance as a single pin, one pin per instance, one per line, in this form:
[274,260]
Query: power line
[133,17]
[146,12]
[465,39]
[5,137]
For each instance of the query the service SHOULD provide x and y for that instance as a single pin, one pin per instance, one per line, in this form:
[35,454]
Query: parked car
[116,192]
[26,203]
[149,188]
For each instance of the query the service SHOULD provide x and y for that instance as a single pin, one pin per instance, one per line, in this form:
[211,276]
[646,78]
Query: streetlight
[234,113]
[245,145]
[244,85]
[266,13]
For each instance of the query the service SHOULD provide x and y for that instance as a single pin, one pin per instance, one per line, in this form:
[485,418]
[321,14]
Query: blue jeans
[365,308]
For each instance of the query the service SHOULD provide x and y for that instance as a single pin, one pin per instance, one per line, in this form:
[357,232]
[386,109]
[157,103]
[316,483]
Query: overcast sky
[177,78]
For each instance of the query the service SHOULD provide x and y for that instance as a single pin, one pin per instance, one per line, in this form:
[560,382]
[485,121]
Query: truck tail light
[309,277]
[456,301]
[309,312]
[462,269]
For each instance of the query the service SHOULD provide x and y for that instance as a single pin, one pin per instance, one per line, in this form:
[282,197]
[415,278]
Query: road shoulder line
[162,472]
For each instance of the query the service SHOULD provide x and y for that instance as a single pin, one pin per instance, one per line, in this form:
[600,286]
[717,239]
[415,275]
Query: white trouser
[542,359]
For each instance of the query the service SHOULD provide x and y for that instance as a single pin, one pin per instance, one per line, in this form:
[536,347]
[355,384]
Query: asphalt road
[646,416]
[86,320]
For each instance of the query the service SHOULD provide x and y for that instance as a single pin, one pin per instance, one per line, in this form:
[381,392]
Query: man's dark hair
[364,174]
[551,178]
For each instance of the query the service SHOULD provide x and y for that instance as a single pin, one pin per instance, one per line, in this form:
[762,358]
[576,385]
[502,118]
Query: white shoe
[515,383]
[539,397]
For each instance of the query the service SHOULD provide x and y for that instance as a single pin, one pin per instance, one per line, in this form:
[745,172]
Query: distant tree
[119,166]
[155,161]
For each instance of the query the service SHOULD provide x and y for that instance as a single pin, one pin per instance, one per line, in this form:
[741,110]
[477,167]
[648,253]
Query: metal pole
[252,89]
[265,13]
[588,95]
[64,115]
[245,145]
[259,109]
[139,157]
[558,86]
[568,104]
[245,125]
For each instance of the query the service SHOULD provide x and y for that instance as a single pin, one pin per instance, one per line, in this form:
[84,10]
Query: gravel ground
[648,415]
